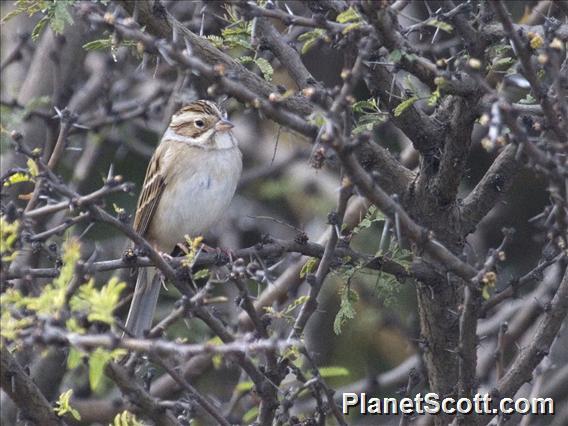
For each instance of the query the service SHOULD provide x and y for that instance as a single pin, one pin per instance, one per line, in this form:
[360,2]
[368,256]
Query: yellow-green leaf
[401,107]
[250,415]
[32,167]
[63,405]
[309,267]
[349,15]
[18,177]
[444,26]
[126,418]
[333,371]
[244,386]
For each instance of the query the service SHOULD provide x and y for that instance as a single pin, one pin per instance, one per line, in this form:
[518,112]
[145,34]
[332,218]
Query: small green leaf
[434,97]
[333,372]
[98,304]
[203,273]
[346,309]
[250,415]
[349,15]
[243,387]
[39,28]
[74,359]
[63,405]
[32,167]
[17,178]
[215,41]
[97,362]
[401,107]
[529,100]
[216,359]
[61,16]
[395,56]
[298,302]
[351,27]
[310,38]
[126,418]
[309,267]
[444,26]
[103,43]
[265,68]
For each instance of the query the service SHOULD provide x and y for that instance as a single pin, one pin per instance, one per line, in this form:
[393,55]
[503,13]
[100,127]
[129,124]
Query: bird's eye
[199,123]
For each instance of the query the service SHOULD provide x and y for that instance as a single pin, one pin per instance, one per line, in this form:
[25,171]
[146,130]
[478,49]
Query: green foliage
[243,387]
[434,97]
[98,359]
[369,115]
[404,105]
[262,64]
[52,297]
[395,56]
[217,359]
[311,38]
[387,288]
[192,249]
[18,177]
[8,238]
[286,313]
[203,273]
[63,405]
[110,43]
[98,304]
[373,215]
[55,13]
[334,371]
[250,415]
[349,15]
[10,326]
[398,55]
[126,418]
[309,267]
[236,35]
[74,359]
[346,309]
[444,26]
[528,100]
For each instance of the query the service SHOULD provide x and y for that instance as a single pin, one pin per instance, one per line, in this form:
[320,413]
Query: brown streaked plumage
[189,183]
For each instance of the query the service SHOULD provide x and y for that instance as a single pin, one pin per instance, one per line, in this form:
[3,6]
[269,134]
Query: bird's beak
[223,126]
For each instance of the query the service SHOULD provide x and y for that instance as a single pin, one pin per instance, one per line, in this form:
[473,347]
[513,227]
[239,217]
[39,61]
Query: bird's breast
[197,195]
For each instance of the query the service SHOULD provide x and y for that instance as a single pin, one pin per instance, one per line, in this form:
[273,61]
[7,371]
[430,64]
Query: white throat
[223,140]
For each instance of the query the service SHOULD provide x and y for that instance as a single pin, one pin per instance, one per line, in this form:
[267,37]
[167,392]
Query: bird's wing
[154,184]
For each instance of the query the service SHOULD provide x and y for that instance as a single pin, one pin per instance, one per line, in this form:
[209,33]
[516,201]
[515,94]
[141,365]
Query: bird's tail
[144,302]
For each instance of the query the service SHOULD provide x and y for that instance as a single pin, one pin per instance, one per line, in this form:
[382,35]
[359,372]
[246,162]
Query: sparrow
[189,184]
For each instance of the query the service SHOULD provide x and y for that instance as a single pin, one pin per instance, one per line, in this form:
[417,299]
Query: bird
[189,184]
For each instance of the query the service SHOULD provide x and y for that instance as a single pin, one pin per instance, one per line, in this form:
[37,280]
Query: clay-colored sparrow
[189,184]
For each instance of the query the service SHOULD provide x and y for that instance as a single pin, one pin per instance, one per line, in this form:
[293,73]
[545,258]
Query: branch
[287,55]
[546,332]
[143,400]
[23,391]
[557,125]
[269,249]
[163,25]
[421,236]
[494,184]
